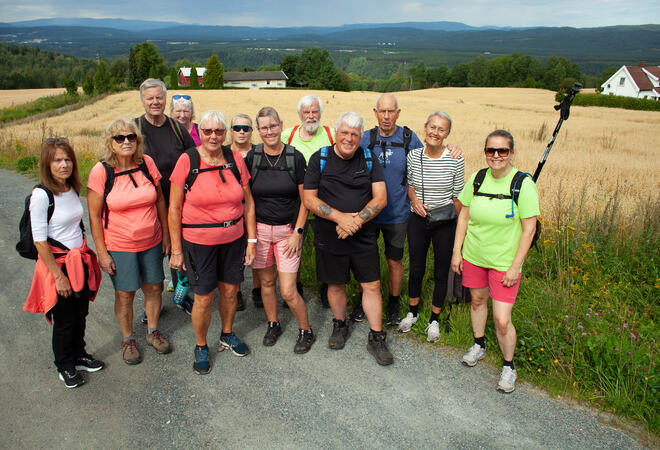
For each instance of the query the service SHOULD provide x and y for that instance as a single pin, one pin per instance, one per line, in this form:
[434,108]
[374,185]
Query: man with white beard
[308,138]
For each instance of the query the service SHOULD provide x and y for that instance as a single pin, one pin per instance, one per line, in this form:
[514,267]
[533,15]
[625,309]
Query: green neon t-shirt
[308,148]
[492,238]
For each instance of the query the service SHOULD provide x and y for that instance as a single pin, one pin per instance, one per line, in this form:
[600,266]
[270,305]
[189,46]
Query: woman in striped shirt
[435,180]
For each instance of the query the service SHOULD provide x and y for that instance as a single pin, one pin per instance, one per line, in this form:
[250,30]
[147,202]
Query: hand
[455,151]
[340,233]
[250,254]
[167,246]
[63,286]
[457,263]
[347,224]
[107,263]
[292,244]
[511,277]
[177,261]
[419,208]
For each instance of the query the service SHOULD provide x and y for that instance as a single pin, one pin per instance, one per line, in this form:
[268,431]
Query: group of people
[167,186]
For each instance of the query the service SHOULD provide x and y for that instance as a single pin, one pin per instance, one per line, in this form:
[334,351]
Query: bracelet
[252,241]
[177,253]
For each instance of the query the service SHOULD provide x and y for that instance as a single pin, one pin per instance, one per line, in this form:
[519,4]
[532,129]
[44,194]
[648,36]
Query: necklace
[276,161]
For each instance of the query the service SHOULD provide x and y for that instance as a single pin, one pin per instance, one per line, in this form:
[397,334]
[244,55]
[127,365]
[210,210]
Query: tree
[607,73]
[478,73]
[214,77]
[71,86]
[119,71]
[144,62]
[289,66]
[459,73]
[88,85]
[420,76]
[102,82]
[174,78]
[194,79]
[439,76]
[316,68]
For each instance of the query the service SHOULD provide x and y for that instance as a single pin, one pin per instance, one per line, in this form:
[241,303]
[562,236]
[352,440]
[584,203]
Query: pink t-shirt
[195,135]
[212,201]
[133,224]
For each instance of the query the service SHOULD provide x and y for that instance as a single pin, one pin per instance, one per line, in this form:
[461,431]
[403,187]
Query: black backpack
[514,193]
[110,177]
[407,137]
[25,246]
[258,162]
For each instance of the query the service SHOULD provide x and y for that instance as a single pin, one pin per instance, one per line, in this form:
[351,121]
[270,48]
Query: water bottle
[181,290]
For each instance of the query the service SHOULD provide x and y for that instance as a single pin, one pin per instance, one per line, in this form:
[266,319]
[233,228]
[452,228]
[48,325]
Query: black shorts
[207,265]
[394,236]
[336,269]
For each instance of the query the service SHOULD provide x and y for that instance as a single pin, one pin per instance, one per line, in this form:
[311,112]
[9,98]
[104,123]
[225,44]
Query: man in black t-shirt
[346,190]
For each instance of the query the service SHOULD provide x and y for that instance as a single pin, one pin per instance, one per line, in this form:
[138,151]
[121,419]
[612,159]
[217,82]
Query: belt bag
[440,216]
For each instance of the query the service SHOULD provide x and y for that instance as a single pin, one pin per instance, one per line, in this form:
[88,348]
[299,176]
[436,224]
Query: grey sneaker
[407,322]
[378,348]
[508,379]
[433,331]
[474,355]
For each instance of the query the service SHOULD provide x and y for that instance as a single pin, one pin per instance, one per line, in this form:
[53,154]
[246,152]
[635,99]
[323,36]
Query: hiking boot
[304,342]
[158,341]
[323,295]
[256,298]
[378,348]
[187,305]
[407,322]
[475,354]
[87,363]
[240,302]
[339,334]
[433,331]
[131,352]
[357,314]
[393,318]
[71,377]
[273,332]
[234,344]
[508,379]
[202,364]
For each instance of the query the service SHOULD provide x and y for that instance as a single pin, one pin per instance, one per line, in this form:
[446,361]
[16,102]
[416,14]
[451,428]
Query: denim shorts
[135,268]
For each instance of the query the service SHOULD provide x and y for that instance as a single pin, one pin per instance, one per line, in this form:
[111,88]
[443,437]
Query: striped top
[444,177]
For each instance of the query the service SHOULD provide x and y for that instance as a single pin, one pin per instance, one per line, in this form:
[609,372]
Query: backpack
[110,176]
[173,125]
[258,162]
[25,246]
[195,162]
[407,137]
[514,189]
[324,158]
[327,130]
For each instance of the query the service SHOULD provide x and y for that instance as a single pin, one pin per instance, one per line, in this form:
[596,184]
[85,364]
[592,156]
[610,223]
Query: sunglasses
[243,128]
[209,131]
[121,138]
[178,96]
[53,140]
[490,151]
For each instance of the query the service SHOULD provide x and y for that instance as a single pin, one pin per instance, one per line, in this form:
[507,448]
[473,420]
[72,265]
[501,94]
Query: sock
[273,324]
[414,309]
[151,330]
[126,339]
[434,316]
[393,304]
[375,332]
[508,363]
[481,341]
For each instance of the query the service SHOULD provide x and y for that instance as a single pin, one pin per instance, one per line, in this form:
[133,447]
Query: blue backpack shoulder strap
[367,158]
[516,184]
[323,158]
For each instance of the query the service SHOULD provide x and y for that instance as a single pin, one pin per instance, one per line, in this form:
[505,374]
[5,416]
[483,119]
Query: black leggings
[69,319]
[419,239]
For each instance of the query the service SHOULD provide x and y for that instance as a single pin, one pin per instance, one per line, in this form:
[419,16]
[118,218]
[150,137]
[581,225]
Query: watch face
[299,230]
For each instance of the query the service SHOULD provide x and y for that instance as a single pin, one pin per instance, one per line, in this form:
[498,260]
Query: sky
[285,13]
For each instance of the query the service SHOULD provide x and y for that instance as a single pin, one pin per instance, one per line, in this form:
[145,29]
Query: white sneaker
[508,379]
[474,355]
[407,322]
[433,331]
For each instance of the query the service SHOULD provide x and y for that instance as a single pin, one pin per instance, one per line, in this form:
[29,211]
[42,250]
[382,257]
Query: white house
[256,80]
[634,81]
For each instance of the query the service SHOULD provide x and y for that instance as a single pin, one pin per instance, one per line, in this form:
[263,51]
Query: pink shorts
[476,277]
[271,241]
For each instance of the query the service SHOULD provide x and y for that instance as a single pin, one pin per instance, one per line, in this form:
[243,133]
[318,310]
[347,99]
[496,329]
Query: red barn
[184,75]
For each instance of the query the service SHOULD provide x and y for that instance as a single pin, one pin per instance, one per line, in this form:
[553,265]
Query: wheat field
[601,150]
[16,97]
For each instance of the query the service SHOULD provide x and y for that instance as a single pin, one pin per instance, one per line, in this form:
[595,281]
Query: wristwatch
[298,230]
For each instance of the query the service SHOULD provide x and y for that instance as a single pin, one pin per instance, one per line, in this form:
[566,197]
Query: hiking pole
[564,110]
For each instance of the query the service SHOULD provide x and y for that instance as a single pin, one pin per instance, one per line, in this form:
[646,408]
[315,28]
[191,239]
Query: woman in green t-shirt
[493,236]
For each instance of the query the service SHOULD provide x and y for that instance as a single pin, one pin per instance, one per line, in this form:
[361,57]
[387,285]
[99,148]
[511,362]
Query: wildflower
[598,338]
[530,359]
[566,316]
[590,310]
[542,349]
[616,350]
[625,325]
[538,370]
[627,353]
[596,314]
[652,364]
[646,378]
[556,361]
[632,336]
[580,327]
[570,227]
[588,315]
[584,334]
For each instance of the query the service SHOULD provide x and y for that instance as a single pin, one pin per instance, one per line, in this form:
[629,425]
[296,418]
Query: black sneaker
[72,378]
[273,332]
[304,342]
[240,302]
[256,298]
[378,348]
[339,334]
[357,315]
[393,318]
[323,295]
[87,363]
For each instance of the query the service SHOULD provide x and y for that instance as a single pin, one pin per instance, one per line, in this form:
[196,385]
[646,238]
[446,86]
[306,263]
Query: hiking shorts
[336,269]
[134,268]
[394,236]
[476,277]
[271,248]
[208,265]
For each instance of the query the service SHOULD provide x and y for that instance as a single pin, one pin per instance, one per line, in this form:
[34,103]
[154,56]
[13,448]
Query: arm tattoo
[368,211]
[325,209]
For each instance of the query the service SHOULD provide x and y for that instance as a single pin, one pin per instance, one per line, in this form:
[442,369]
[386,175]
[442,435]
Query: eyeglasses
[490,151]
[178,96]
[121,138]
[209,131]
[56,139]
[243,128]
[270,128]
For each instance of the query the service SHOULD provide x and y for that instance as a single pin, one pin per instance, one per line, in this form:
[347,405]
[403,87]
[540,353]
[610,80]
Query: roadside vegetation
[616,101]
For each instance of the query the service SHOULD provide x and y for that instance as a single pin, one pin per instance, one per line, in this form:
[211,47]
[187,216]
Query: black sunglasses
[53,140]
[490,151]
[120,138]
[178,96]
[243,128]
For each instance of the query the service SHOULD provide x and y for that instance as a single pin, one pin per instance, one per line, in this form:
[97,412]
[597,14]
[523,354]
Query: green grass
[37,106]
[615,101]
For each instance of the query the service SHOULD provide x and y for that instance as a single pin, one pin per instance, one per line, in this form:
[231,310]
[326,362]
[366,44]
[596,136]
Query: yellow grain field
[19,96]
[600,148]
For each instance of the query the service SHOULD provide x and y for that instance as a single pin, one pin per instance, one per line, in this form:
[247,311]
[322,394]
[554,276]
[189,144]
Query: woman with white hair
[211,209]
[183,110]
